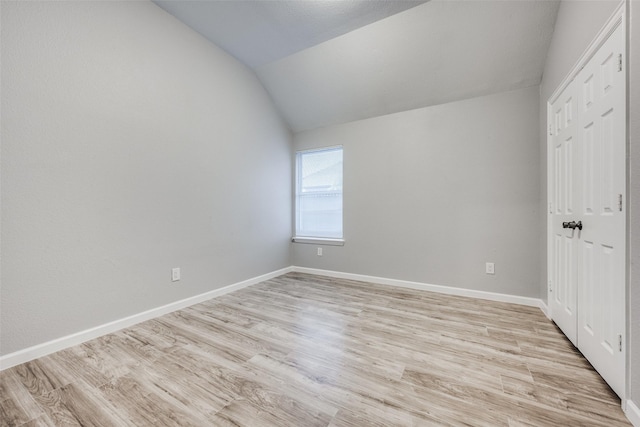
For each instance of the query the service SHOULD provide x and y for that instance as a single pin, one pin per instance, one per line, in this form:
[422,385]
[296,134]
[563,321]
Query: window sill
[318,241]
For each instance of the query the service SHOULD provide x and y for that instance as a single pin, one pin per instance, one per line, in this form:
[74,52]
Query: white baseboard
[492,296]
[632,412]
[545,309]
[49,347]
[40,350]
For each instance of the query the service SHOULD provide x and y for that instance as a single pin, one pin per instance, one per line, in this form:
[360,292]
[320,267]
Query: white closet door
[601,255]
[587,153]
[563,298]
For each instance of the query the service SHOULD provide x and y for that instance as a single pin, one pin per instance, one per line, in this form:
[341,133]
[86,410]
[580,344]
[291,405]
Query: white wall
[432,194]
[130,145]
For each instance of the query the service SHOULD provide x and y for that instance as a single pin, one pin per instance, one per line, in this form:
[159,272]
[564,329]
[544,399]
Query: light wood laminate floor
[305,351]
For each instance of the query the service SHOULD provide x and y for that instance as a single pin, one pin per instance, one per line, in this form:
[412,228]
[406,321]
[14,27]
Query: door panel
[587,288]
[588,167]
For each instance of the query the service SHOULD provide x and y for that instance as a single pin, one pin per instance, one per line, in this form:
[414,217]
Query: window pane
[319,193]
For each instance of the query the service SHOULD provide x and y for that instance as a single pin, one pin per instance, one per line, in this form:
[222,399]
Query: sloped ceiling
[261,31]
[433,53]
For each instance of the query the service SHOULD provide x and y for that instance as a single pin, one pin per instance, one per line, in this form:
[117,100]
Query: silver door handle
[572,225]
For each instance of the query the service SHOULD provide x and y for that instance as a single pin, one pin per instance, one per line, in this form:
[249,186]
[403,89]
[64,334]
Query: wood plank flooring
[305,351]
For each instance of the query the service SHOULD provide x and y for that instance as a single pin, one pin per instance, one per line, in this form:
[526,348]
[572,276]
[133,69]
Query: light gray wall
[634,203]
[432,194]
[577,24]
[130,145]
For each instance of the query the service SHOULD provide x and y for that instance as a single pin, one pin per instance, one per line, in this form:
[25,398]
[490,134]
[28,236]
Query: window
[319,193]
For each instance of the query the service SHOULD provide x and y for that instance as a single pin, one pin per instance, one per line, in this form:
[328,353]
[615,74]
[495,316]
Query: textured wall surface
[130,145]
[432,194]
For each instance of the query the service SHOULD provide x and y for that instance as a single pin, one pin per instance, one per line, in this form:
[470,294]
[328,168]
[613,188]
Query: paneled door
[601,87]
[588,219]
[563,299]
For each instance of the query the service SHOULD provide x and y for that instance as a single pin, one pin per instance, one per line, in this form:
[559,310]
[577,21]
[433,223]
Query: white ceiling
[335,61]
[261,31]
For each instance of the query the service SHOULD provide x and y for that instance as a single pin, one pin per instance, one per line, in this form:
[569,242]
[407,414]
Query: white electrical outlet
[319,251]
[175,274]
[490,268]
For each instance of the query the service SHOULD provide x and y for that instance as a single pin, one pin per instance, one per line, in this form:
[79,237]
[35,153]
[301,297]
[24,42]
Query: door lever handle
[572,225]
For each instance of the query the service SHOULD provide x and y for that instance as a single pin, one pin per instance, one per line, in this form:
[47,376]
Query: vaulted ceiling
[333,61]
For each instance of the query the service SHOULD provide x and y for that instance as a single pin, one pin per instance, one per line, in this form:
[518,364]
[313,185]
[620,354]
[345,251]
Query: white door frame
[617,19]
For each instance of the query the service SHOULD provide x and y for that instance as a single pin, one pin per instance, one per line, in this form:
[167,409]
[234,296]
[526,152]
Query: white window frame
[298,183]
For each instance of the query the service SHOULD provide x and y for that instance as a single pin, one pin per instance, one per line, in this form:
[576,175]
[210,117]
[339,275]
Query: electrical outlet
[490,268]
[319,251]
[175,274]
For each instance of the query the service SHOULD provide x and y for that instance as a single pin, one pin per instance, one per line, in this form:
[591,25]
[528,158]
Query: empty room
[332,213]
